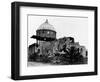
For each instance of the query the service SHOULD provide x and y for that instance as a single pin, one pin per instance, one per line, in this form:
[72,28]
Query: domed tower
[45,36]
[46,30]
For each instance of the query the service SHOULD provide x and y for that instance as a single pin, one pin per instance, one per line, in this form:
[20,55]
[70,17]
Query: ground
[37,64]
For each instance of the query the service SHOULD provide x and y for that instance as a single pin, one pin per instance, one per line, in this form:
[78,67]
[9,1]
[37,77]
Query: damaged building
[56,51]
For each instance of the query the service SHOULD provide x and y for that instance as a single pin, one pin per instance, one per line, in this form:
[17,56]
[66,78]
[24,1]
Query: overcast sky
[76,27]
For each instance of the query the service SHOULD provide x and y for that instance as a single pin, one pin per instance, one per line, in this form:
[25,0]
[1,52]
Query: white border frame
[24,70]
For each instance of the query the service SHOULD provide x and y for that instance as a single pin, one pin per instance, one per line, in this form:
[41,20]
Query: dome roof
[47,26]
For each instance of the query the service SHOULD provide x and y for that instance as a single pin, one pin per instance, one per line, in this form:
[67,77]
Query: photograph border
[15,40]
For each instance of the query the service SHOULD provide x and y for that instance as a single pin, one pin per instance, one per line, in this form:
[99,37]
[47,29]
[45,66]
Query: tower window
[48,32]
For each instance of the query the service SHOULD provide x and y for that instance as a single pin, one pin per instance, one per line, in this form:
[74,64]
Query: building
[47,44]
[45,35]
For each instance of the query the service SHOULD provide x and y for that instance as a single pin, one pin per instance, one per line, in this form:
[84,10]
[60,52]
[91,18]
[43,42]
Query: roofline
[46,30]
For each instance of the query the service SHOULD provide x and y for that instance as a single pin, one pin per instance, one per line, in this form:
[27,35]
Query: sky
[66,26]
